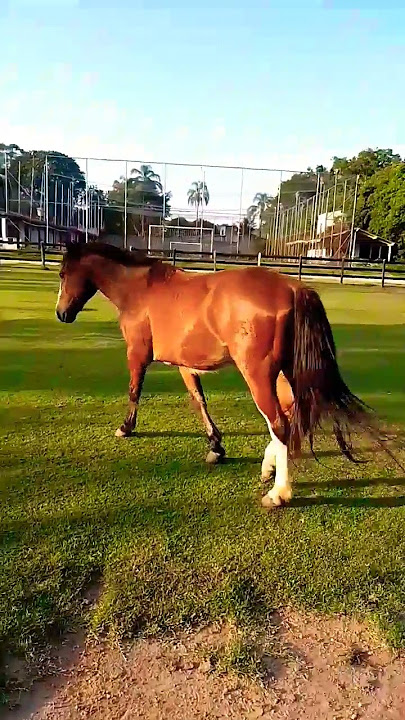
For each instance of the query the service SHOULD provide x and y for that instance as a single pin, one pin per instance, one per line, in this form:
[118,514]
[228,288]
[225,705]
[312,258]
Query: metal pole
[32,187]
[87,200]
[72,204]
[314,218]
[46,200]
[164,193]
[202,211]
[126,205]
[326,194]
[343,215]
[297,215]
[352,244]
[333,214]
[240,212]
[19,187]
[55,201]
[278,209]
[306,222]
[61,204]
[6,180]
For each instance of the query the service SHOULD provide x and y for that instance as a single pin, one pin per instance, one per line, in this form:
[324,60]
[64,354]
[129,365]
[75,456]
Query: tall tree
[366,163]
[198,195]
[257,211]
[146,177]
[381,205]
[146,203]
[60,180]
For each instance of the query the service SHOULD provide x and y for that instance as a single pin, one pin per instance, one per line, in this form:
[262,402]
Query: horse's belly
[198,349]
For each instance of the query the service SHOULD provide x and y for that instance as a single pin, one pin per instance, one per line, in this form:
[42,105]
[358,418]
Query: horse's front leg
[137,362]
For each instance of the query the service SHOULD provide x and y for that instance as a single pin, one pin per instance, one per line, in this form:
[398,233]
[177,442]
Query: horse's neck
[116,282]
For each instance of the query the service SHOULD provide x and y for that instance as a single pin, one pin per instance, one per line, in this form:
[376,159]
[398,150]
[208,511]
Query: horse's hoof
[269,504]
[122,433]
[213,458]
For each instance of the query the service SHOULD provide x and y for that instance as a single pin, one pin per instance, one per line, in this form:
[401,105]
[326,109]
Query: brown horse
[273,328]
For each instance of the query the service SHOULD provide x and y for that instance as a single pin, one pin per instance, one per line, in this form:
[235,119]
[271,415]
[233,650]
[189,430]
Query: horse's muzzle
[67,316]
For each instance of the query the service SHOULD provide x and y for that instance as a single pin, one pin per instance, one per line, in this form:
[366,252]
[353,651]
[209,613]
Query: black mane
[128,258]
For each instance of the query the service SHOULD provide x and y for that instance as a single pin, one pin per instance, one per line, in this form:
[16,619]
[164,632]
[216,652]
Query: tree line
[33,178]
[380,178]
[379,174]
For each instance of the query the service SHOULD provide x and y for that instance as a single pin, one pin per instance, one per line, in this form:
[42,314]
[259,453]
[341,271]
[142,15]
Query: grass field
[172,540]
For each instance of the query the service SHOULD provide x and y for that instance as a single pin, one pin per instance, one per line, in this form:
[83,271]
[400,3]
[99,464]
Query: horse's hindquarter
[203,321]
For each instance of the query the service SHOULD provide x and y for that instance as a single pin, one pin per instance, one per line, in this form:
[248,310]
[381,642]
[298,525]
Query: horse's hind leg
[194,387]
[262,382]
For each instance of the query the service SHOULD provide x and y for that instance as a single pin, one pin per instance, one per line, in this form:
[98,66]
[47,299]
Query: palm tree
[146,176]
[148,183]
[198,195]
[261,203]
[261,200]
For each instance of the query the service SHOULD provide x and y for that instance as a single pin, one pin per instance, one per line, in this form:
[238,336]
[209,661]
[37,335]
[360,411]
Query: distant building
[326,220]
[18,230]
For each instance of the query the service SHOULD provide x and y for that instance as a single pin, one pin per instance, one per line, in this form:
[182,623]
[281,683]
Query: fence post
[214,255]
[259,258]
[42,250]
[383,273]
[174,256]
[342,270]
[300,268]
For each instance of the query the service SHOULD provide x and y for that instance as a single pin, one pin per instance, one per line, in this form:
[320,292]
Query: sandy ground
[312,667]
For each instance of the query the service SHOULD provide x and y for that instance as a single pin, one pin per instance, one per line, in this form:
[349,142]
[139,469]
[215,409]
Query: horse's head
[76,288]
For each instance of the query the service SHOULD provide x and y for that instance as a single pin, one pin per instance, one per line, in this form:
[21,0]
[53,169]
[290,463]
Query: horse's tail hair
[319,389]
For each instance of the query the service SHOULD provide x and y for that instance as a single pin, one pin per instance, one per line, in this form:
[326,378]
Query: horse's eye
[61,275]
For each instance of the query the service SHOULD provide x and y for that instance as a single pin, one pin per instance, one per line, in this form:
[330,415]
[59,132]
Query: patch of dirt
[313,667]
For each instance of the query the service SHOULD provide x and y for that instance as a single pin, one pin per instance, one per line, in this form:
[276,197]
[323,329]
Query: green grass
[171,539]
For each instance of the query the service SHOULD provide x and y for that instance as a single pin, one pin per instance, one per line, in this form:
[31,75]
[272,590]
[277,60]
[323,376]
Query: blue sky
[267,84]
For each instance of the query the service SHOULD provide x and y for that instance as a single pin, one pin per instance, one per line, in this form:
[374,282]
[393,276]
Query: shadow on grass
[365,502]
[353,483]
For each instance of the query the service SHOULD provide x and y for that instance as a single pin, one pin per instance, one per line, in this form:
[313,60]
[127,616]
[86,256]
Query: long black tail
[319,389]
